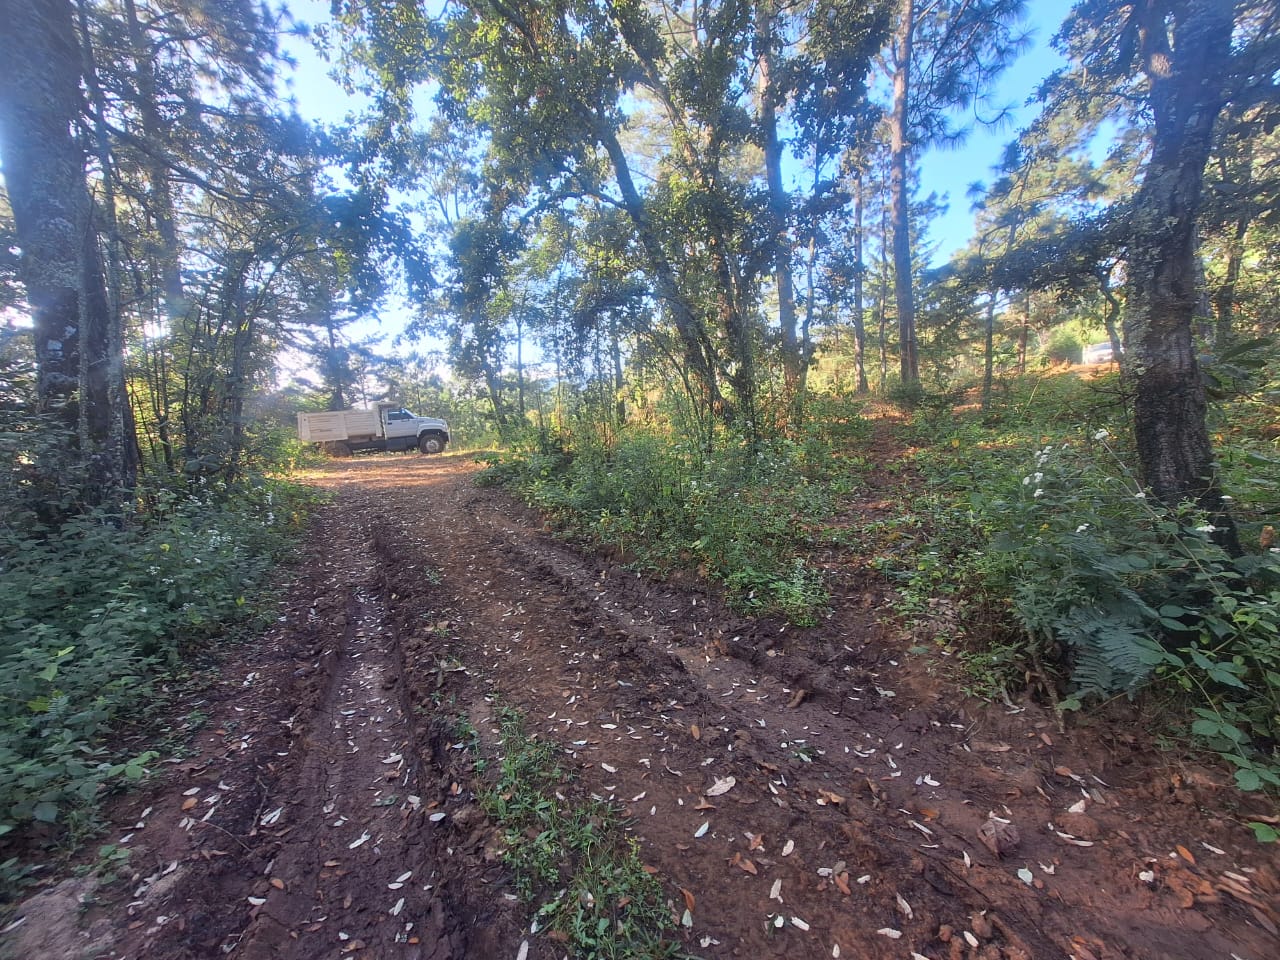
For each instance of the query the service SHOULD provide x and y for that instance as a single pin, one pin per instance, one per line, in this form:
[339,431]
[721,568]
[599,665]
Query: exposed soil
[324,811]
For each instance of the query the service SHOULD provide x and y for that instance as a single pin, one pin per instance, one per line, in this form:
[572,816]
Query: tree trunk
[520,361]
[859,327]
[114,464]
[778,202]
[77,355]
[1161,291]
[337,397]
[1224,299]
[899,190]
[619,381]
[44,173]
[161,192]
[988,353]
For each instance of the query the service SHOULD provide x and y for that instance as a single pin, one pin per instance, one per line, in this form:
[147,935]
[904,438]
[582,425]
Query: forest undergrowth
[104,609]
[1020,543]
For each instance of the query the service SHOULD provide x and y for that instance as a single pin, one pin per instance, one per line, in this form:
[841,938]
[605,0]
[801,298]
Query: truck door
[400,423]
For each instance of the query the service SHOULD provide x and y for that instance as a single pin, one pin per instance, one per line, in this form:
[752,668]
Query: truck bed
[339,425]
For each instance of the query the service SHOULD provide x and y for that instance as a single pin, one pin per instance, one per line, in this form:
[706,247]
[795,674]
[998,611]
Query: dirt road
[326,810]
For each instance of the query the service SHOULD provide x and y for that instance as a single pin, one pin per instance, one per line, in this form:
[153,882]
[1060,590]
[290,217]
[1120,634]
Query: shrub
[94,608]
[1126,592]
[739,514]
[1063,347]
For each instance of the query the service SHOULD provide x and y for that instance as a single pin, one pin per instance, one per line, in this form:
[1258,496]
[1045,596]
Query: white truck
[387,426]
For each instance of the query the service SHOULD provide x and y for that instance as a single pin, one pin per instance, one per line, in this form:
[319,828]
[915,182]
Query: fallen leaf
[1064,772]
[1185,854]
[796,921]
[904,908]
[1076,841]
[1025,876]
[775,892]
[929,813]
[789,846]
[693,729]
[747,865]
[842,881]
[188,803]
[277,883]
[703,805]
[721,787]
[831,798]
[689,899]
[702,830]
[889,932]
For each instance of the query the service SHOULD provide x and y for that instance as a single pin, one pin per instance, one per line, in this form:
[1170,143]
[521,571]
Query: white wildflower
[1141,495]
[1038,493]
[1206,528]
[1082,528]
[1102,434]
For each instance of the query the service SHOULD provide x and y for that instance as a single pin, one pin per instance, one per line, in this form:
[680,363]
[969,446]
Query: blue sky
[951,171]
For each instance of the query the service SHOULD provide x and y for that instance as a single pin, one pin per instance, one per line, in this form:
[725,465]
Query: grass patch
[743,516]
[570,859]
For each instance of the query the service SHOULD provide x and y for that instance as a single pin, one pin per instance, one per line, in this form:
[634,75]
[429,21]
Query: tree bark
[167,251]
[859,326]
[78,348]
[1186,78]
[779,203]
[988,351]
[899,190]
[44,173]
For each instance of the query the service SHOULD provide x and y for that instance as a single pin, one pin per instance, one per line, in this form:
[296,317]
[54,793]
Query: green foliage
[1063,346]
[604,902]
[95,607]
[1035,552]
[740,515]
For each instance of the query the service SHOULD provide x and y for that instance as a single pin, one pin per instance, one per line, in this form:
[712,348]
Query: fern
[1112,651]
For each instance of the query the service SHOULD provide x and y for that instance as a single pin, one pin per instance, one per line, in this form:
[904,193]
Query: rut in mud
[871,812]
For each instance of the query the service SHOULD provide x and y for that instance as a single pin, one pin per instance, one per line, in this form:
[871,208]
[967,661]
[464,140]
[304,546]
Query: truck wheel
[429,443]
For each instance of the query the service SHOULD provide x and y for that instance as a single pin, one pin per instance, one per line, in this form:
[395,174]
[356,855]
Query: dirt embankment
[326,811]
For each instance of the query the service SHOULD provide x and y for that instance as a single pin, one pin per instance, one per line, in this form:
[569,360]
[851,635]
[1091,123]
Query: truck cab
[404,430]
